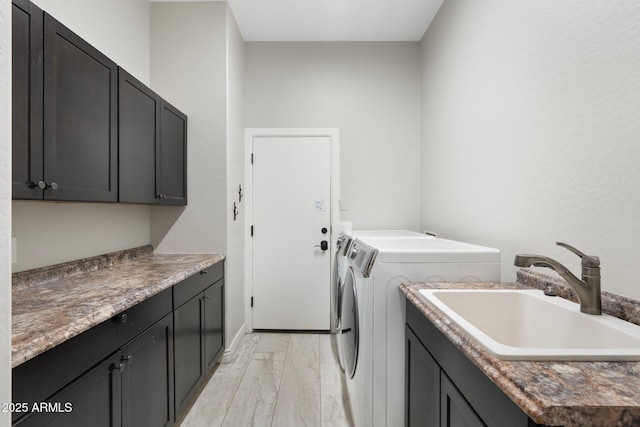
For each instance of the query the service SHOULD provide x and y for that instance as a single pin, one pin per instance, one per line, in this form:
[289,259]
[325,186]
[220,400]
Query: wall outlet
[14,250]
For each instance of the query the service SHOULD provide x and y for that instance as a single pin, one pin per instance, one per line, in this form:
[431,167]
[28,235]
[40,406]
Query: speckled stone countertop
[572,394]
[53,304]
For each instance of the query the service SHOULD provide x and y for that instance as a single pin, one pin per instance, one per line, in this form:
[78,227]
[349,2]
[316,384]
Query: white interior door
[291,201]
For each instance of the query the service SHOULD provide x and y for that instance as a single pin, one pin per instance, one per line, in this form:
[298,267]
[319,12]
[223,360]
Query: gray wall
[530,130]
[197,64]
[234,296]
[371,92]
[188,67]
[48,232]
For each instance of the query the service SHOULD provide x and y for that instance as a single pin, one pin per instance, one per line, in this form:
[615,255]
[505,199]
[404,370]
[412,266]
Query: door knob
[324,245]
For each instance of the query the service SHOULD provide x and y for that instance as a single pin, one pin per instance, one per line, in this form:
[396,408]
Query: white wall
[5,208]
[371,92]
[188,51]
[117,28]
[49,233]
[530,130]
[234,296]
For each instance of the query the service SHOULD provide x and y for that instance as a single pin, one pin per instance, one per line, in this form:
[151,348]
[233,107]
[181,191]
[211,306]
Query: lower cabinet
[142,368]
[198,341]
[131,388]
[94,400]
[147,377]
[454,409]
[444,388]
[422,384]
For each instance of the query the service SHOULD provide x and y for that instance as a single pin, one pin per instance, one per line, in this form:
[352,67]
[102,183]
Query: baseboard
[229,352]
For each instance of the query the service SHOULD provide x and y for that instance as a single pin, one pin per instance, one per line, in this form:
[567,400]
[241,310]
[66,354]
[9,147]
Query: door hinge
[251,158]
[252,231]
[251,301]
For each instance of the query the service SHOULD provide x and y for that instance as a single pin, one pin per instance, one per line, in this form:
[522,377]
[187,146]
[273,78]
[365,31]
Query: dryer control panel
[362,257]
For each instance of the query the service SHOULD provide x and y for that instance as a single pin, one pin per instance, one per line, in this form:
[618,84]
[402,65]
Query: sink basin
[528,325]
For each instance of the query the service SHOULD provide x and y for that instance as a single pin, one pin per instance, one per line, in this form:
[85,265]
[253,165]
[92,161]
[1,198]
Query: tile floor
[278,380]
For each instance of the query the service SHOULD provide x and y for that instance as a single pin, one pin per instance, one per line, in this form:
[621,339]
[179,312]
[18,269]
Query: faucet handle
[587,260]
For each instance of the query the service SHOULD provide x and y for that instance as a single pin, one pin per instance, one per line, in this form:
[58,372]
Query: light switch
[342,204]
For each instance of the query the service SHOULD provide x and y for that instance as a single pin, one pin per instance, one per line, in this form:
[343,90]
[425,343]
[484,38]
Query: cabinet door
[138,135]
[147,381]
[213,323]
[455,410]
[189,351]
[27,84]
[93,400]
[422,382]
[80,139]
[172,174]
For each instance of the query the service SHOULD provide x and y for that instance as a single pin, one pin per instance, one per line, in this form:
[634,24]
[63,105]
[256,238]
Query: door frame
[249,134]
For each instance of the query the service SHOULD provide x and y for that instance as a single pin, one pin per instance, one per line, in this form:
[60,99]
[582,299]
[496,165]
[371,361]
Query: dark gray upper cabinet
[69,122]
[152,146]
[27,96]
[172,174]
[139,132]
[80,118]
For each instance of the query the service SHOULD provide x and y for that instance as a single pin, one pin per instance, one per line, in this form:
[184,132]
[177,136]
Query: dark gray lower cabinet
[198,341]
[147,379]
[444,388]
[189,354]
[454,409]
[94,399]
[213,323]
[142,368]
[422,384]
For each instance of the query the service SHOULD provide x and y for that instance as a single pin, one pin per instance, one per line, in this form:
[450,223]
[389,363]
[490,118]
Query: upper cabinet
[73,111]
[27,95]
[152,146]
[80,118]
[172,174]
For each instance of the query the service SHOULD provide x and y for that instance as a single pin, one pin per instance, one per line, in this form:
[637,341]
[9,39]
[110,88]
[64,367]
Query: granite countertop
[551,393]
[53,304]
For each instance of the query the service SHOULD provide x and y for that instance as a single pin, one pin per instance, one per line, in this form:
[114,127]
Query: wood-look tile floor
[277,380]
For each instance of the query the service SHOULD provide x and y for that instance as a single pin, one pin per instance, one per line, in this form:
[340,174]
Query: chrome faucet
[588,289]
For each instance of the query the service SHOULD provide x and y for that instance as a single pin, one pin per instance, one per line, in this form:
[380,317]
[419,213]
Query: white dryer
[380,401]
[341,265]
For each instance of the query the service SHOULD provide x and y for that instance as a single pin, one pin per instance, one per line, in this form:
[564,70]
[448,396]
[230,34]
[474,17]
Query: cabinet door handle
[204,272]
[43,185]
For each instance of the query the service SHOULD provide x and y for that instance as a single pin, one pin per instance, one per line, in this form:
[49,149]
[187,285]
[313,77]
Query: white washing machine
[341,265]
[357,311]
[379,400]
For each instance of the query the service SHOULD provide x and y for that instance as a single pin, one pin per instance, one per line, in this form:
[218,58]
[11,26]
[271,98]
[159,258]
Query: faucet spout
[588,289]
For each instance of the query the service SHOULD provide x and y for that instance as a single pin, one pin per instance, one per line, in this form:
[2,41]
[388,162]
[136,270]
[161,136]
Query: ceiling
[333,20]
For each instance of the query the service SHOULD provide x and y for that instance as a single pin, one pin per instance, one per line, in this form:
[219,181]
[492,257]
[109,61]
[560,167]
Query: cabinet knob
[204,272]
[43,185]
[122,317]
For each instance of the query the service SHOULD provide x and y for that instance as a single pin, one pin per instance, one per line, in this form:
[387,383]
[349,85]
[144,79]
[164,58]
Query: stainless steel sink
[528,325]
